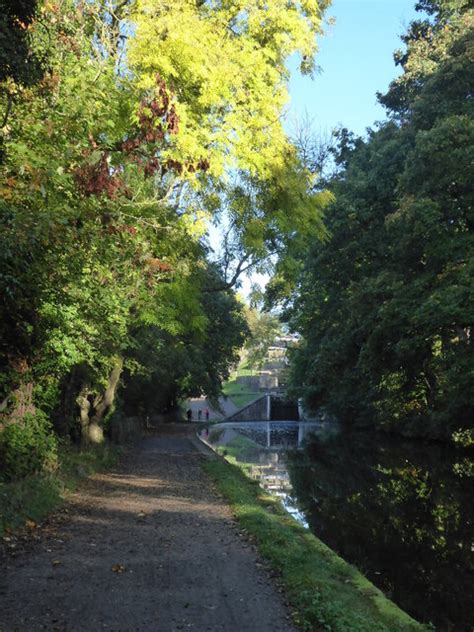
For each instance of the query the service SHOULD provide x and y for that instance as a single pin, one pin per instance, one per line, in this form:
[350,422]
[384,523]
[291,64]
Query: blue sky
[356,56]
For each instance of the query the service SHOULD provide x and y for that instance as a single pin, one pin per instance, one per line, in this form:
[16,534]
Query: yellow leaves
[227,71]
[50,7]
[195,224]
[21,25]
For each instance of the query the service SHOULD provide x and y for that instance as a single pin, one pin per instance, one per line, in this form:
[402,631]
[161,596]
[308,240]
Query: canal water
[401,511]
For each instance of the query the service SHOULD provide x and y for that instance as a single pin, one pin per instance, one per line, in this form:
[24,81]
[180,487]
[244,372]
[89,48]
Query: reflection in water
[401,511]
[262,446]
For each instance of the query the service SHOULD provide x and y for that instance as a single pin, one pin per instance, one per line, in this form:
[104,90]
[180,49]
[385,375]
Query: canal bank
[324,591]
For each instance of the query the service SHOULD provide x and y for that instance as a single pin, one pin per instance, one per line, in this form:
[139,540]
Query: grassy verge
[325,592]
[34,497]
[239,394]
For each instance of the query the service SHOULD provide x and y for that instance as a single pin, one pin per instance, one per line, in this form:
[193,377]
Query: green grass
[325,592]
[240,394]
[242,371]
[34,497]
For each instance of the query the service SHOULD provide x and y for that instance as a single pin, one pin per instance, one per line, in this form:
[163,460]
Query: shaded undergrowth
[34,497]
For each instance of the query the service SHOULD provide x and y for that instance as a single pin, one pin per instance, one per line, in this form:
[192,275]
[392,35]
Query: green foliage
[27,447]
[17,60]
[385,305]
[264,328]
[194,358]
[31,498]
[112,154]
[464,438]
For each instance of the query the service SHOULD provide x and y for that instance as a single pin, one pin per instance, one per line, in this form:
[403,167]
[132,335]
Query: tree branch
[8,110]
[240,269]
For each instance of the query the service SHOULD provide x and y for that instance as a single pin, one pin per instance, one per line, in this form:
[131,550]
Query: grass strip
[34,497]
[240,394]
[325,592]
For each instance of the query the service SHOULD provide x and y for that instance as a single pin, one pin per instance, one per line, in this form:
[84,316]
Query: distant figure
[189,414]
[206,432]
[199,415]
[206,414]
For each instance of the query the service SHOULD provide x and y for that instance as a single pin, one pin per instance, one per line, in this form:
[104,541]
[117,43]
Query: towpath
[225,409]
[149,546]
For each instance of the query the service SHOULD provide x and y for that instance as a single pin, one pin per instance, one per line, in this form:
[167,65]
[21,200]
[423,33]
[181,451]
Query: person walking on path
[189,414]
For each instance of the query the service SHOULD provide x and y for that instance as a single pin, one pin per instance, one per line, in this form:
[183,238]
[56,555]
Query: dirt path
[149,546]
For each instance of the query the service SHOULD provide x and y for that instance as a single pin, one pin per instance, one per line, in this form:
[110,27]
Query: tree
[111,157]
[264,328]
[229,82]
[385,306]
[166,367]
[225,62]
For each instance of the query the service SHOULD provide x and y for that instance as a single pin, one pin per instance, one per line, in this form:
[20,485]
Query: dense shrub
[27,446]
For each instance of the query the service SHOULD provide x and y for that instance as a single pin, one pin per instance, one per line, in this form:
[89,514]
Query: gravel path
[149,546]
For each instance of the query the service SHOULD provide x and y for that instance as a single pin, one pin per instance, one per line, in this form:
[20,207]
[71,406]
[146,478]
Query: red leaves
[98,178]
[151,166]
[158,265]
[172,119]
[203,164]
[156,116]
[155,268]
[157,119]
[130,144]
[121,228]
[174,165]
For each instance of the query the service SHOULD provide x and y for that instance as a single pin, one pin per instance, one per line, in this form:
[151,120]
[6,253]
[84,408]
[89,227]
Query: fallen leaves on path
[118,568]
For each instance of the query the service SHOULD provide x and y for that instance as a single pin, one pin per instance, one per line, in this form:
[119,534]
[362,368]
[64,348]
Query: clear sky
[356,58]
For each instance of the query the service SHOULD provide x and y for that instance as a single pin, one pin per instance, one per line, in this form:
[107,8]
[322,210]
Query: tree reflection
[402,512]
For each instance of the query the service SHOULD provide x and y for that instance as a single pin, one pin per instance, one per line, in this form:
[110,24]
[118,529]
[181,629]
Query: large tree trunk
[84,403]
[17,405]
[64,416]
[94,408]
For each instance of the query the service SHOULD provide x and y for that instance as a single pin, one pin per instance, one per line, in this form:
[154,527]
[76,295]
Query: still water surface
[401,511]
